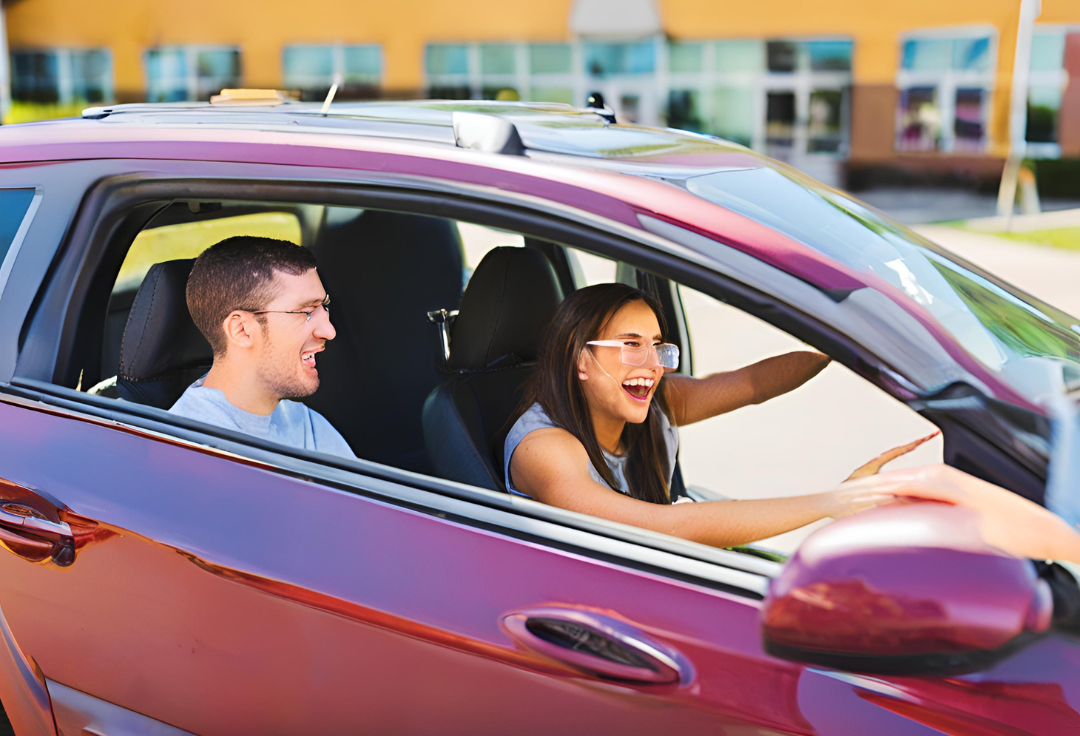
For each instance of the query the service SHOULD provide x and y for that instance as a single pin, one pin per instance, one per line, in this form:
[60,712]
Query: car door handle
[598,644]
[31,527]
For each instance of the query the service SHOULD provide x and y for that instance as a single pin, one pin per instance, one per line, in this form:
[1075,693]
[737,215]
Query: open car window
[804,442]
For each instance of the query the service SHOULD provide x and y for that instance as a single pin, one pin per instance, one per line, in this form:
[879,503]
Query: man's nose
[324,329]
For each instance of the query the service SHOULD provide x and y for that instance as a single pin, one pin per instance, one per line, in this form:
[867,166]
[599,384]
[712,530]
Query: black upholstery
[161,352]
[509,301]
[384,272]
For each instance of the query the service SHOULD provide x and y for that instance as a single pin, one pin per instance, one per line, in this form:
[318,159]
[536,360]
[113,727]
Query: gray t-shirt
[291,423]
[536,418]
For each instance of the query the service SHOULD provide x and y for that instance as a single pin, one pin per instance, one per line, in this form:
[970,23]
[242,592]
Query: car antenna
[330,95]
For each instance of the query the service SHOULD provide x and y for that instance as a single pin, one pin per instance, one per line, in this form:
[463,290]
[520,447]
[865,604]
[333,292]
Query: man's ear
[239,329]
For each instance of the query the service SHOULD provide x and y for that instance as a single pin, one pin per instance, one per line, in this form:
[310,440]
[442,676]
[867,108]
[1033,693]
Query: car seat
[162,352]
[508,303]
[384,272]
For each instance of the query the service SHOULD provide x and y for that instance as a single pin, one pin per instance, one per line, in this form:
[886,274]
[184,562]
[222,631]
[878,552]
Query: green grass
[1065,237]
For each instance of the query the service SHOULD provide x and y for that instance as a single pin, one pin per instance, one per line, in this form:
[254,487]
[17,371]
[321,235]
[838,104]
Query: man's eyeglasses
[325,305]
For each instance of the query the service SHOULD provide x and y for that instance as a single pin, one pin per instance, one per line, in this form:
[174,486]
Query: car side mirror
[904,589]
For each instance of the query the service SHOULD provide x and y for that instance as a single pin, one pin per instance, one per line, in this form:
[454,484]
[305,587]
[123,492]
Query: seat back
[496,339]
[384,272]
[162,351]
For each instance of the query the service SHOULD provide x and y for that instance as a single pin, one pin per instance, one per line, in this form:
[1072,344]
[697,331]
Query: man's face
[288,343]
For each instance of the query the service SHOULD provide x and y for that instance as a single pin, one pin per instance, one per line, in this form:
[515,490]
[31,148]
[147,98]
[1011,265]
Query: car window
[589,268]
[14,203]
[189,239]
[806,441]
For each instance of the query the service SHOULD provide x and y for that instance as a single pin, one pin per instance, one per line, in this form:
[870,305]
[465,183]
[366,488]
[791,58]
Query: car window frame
[99,220]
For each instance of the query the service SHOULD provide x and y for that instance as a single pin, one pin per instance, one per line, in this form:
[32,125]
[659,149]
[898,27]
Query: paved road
[811,439]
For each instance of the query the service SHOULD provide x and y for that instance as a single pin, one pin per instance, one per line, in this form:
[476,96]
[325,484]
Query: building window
[539,72]
[787,97]
[1046,84]
[179,73]
[62,76]
[313,69]
[945,81]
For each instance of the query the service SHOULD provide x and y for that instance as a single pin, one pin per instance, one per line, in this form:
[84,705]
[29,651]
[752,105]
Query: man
[262,307]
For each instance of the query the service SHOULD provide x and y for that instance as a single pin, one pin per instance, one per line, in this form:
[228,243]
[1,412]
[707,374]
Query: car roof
[543,128]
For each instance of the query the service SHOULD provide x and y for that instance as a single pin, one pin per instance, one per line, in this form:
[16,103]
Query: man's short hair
[238,273]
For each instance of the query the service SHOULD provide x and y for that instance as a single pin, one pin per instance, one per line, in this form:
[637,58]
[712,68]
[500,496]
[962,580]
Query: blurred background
[916,94]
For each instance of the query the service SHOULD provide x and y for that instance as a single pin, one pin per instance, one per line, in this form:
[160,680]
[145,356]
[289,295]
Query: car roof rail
[488,133]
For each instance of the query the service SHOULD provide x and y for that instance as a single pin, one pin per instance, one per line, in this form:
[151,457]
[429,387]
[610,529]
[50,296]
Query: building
[920,86]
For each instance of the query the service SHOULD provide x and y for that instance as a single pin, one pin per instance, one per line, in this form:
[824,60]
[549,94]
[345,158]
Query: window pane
[740,56]
[971,54]
[733,114]
[685,57]
[920,119]
[783,56]
[91,75]
[166,71]
[447,59]
[684,110]
[602,59]
[449,92]
[13,206]
[1047,51]
[1044,104]
[780,119]
[221,64]
[589,269]
[309,61]
[926,55]
[829,56]
[363,64]
[498,58]
[35,77]
[969,120]
[824,128]
[552,94]
[551,58]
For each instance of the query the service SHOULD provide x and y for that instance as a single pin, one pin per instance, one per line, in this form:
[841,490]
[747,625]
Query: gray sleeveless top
[536,418]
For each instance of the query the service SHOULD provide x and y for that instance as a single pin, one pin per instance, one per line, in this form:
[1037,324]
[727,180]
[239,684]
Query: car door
[213,586]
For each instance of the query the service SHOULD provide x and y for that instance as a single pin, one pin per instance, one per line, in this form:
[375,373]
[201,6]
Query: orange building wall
[403,27]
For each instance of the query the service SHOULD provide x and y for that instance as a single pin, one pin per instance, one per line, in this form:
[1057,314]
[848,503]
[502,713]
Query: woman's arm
[694,399]
[552,466]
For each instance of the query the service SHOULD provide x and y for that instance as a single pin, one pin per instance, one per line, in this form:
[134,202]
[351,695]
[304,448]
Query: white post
[1029,11]
[5,72]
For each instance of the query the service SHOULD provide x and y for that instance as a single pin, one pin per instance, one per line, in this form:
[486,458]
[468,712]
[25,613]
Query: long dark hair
[555,386]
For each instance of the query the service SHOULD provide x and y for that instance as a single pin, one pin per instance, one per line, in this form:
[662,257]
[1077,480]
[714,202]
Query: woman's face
[622,391]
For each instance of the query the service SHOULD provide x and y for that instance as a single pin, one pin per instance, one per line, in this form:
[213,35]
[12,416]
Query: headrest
[160,336]
[509,300]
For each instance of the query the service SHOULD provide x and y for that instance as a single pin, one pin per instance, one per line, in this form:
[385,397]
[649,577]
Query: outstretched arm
[694,399]
[552,466]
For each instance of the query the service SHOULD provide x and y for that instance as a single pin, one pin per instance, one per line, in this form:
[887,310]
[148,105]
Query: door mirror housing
[904,589]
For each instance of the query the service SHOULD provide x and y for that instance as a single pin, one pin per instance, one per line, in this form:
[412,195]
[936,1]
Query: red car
[165,576]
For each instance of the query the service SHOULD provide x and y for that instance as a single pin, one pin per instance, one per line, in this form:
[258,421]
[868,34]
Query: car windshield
[1008,331]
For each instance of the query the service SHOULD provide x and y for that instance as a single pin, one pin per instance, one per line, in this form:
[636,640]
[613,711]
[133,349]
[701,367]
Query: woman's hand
[1007,521]
[875,465]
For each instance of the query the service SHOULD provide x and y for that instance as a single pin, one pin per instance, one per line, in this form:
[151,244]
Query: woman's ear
[582,374]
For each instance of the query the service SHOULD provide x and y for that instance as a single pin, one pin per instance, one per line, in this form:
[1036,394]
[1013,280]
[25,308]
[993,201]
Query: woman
[599,416]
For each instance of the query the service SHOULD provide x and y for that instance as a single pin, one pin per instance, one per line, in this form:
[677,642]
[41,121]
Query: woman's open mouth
[638,388]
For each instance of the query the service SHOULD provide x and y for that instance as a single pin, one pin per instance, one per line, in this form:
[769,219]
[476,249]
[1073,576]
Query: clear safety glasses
[667,355]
